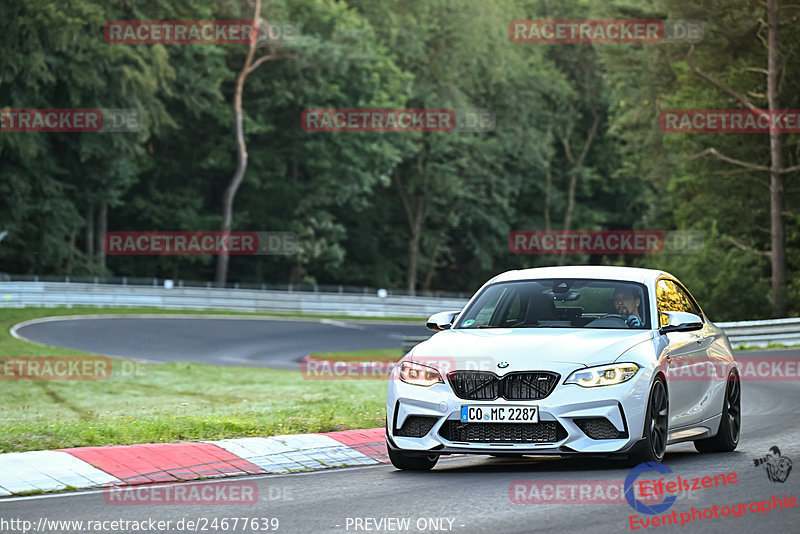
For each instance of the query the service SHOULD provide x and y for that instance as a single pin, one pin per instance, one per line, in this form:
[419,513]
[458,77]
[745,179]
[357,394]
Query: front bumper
[568,406]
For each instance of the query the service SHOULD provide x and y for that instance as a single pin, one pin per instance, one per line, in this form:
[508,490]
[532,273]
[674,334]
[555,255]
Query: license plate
[499,414]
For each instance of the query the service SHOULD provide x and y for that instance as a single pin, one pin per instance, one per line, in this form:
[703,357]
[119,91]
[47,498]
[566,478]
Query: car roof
[601,272]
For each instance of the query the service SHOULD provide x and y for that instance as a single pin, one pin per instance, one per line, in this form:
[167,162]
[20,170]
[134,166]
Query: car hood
[523,349]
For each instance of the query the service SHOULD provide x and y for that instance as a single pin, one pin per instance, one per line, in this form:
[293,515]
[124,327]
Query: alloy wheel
[733,405]
[658,419]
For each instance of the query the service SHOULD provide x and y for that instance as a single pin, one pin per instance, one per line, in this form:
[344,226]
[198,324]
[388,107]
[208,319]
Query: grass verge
[144,403]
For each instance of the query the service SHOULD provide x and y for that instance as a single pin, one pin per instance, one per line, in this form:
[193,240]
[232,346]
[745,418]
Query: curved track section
[253,342]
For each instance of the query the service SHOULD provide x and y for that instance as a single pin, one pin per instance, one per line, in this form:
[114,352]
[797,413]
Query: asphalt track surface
[471,494]
[251,342]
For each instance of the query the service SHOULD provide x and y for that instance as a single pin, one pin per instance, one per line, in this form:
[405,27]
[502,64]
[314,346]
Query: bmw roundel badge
[502,365]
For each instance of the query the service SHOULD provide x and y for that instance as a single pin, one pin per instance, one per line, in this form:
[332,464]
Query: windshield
[559,303]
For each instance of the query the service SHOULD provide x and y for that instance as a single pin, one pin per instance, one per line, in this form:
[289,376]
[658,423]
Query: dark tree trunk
[241,148]
[102,228]
[90,232]
[296,276]
[776,186]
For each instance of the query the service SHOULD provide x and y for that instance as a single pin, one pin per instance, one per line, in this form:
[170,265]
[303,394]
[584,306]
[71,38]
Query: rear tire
[730,425]
[412,462]
[654,445]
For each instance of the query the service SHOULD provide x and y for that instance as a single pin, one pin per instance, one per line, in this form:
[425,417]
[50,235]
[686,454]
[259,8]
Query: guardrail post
[124,281]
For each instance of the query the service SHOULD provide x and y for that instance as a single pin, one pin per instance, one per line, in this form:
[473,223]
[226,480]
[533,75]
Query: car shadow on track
[687,458]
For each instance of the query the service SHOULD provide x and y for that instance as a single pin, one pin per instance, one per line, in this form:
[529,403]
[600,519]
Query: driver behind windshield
[626,301]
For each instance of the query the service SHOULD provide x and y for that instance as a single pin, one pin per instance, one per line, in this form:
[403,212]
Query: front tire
[730,425]
[654,445]
[412,462]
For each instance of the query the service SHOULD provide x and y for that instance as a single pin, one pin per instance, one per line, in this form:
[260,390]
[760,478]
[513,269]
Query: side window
[671,297]
[687,303]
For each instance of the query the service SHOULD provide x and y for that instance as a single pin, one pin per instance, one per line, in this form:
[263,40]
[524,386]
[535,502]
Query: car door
[686,357]
[706,363]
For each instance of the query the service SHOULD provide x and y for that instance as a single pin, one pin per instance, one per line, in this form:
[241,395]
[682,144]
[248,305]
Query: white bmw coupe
[611,361]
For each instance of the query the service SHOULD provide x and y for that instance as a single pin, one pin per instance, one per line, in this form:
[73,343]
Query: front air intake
[599,428]
[416,426]
[542,432]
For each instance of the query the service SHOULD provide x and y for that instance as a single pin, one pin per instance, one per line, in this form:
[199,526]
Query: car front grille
[485,385]
[416,426]
[541,432]
[529,386]
[474,385]
[599,428]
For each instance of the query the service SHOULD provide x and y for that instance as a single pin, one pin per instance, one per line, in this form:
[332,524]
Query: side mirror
[441,321]
[679,322]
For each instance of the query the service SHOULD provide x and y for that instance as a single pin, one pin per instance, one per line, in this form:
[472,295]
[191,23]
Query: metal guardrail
[52,294]
[162,282]
[763,333]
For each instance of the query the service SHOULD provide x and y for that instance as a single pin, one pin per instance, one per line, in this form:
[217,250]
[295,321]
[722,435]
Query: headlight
[604,375]
[419,375]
